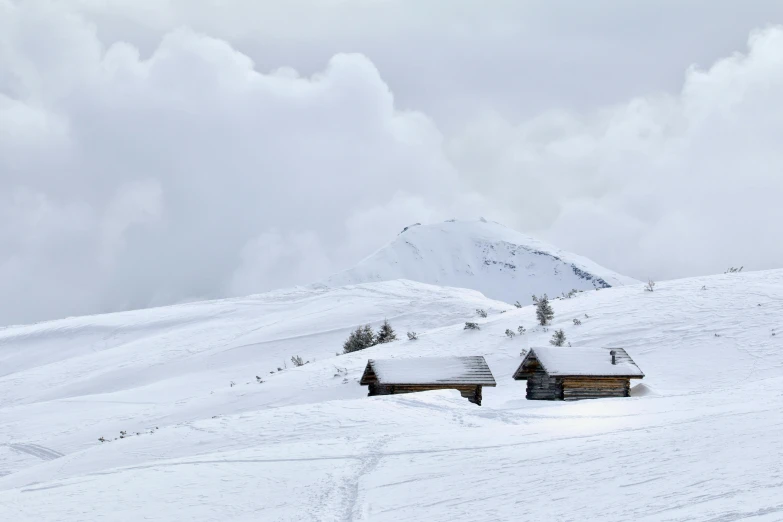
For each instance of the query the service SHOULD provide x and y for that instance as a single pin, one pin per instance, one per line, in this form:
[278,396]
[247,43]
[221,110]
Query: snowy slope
[700,439]
[174,364]
[485,256]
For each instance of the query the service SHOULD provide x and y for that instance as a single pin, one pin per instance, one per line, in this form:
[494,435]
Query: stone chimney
[613,354]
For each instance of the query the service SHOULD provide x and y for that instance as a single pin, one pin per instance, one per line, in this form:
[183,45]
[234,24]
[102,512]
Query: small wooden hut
[407,375]
[567,374]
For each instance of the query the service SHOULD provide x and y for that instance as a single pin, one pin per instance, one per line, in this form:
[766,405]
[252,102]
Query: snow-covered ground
[161,366]
[700,439]
[499,262]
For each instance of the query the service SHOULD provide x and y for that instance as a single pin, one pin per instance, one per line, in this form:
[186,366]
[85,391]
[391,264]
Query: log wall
[540,386]
[575,388]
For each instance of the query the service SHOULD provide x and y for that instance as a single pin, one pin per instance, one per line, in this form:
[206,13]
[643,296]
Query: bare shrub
[298,361]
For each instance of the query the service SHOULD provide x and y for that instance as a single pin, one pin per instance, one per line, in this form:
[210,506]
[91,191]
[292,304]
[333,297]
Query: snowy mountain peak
[483,255]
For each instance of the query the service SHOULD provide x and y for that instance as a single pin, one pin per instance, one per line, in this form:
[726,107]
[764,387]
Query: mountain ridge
[482,255]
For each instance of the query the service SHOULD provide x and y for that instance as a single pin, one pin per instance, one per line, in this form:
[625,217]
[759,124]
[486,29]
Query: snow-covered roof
[429,370]
[567,361]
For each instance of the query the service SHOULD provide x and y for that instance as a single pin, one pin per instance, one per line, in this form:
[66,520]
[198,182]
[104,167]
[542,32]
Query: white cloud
[272,260]
[665,185]
[455,58]
[142,162]
[135,203]
[189,173]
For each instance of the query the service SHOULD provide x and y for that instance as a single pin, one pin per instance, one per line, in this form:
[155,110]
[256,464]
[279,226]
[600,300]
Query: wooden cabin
[568,374]
[468,375]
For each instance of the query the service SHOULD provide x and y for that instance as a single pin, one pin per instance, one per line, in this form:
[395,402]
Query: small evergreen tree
[544,311]
[412,336]
[361,338]
[521,329]
[385,333]
[510,334]
[471,326]
[558,339]
[367,337]
[518,304]
[481,313]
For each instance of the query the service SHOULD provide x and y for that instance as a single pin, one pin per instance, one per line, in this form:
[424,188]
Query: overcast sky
[157,151]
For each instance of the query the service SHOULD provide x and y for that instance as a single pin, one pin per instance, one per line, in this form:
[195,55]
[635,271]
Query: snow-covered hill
[700,439]
[485,256]
[176,364]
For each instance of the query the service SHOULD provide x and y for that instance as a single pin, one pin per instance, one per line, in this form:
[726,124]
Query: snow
[497,261]
[699,441]
[563,360]
[426,370]
[65,383]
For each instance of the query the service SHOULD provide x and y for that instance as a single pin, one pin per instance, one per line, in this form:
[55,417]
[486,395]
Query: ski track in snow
[701,443]
[35,450]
